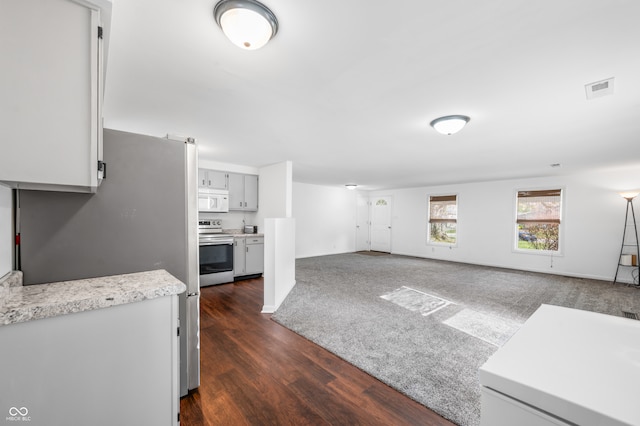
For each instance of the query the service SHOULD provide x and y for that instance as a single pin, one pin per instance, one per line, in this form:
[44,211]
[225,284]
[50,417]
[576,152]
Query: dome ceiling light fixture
[247,23]
[351,186]
[450,124]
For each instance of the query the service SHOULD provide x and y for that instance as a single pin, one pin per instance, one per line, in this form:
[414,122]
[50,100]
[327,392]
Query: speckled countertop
[27,303]
[240,233]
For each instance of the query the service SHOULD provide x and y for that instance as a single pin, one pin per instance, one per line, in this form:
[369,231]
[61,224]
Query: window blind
[443,209]
[539,206]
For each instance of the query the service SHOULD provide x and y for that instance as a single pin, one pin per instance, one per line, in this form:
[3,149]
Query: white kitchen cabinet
[111,366]
[248,256]
[564,367]
[501,410]
[243,192]
[52,86]
[254,257]
[213,179]
[239,250]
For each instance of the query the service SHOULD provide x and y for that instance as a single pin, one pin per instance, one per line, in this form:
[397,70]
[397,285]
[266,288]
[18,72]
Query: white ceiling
[347,88]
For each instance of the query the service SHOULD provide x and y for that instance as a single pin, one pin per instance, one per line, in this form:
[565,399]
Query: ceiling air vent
[599,88]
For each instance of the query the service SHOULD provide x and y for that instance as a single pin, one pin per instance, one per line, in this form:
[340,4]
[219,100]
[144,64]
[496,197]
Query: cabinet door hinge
[102,169]
[178,329]
[100,32]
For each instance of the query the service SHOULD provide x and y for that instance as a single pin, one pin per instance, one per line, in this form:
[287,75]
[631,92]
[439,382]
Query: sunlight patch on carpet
[415,300]
[492,329]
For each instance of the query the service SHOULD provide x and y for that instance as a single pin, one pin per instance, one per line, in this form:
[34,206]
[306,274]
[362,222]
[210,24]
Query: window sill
[437,244]
[538,252]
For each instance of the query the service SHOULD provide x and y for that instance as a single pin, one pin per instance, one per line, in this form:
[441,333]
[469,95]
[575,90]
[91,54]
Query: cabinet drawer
[255,240]
[500,410]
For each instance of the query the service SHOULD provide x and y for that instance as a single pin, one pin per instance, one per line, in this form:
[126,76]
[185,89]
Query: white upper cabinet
[251,192]
[213,179]
[243,192]
[51,93]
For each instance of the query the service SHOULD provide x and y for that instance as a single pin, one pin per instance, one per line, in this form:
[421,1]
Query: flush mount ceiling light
[351,186]
[247,23]
[449,124]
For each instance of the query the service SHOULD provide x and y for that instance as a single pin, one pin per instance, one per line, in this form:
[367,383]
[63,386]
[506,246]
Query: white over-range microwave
[213,200]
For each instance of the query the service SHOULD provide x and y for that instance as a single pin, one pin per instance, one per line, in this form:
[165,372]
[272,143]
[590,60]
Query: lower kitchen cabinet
[564,367]
[248,256]
[239,255]
[254,262]
[111,366]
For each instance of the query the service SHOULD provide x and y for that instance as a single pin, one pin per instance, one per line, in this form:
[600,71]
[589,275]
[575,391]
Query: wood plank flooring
[256,372]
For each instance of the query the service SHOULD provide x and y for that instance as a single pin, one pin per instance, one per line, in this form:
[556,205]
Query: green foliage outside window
[538,219]
[544,236]
[443,233]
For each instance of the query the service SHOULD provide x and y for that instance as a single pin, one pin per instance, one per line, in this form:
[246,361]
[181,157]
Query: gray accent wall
[135,222]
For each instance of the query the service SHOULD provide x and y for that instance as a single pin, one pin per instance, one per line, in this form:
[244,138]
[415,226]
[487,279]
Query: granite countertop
[27,303]
[240,233]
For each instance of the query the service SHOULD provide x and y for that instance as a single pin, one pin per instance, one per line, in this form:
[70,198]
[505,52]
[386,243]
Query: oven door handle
[216,243]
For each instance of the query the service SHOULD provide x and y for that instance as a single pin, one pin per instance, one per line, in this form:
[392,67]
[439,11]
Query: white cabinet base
[500,410]
[564,366]
[110,366]
[248,256]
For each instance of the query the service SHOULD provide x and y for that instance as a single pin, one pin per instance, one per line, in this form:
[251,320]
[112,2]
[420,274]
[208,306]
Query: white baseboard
[560,273]
[268,309]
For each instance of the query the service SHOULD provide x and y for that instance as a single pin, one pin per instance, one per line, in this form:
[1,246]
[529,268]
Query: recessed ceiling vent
[599,88]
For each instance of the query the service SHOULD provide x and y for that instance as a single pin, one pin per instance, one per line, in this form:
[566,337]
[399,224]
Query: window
[443,216]
[538,220]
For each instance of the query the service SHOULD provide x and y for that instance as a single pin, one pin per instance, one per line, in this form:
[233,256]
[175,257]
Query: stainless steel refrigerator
[144,216]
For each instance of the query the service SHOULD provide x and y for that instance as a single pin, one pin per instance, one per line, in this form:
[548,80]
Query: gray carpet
[415,300]
[434,358]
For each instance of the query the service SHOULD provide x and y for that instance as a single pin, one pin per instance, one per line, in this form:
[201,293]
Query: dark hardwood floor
[256,372]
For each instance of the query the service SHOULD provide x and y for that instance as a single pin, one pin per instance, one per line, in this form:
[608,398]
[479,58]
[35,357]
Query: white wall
[325,219]
[274,219]
[593,221]
[275,191]
[279,261]
[226,167]
[6,237]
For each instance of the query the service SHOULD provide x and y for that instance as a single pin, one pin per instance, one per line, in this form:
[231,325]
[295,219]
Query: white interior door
[362,223]
[381,224]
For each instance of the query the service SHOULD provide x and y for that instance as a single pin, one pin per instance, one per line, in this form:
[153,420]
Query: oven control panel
[209,226]
[210,223]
